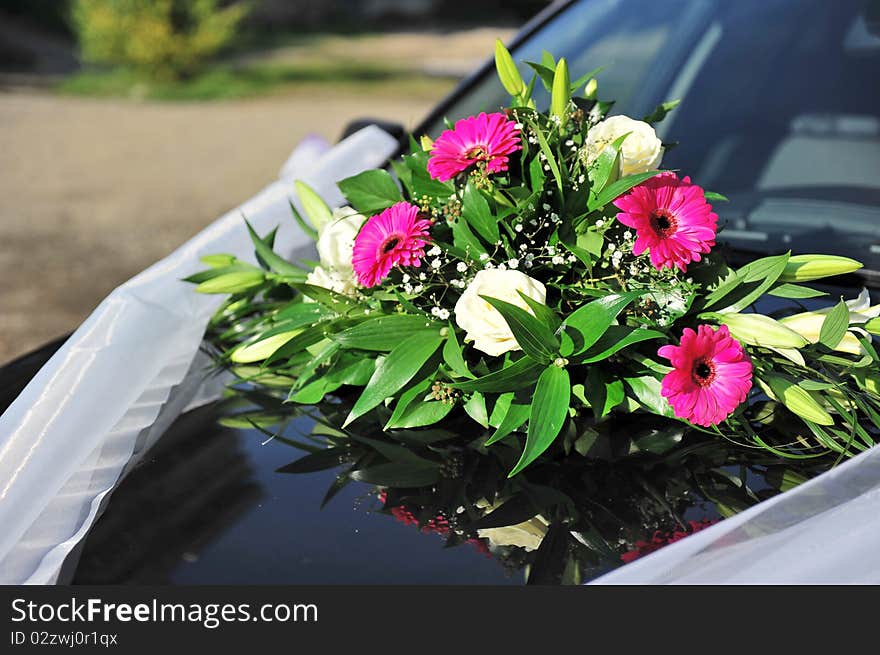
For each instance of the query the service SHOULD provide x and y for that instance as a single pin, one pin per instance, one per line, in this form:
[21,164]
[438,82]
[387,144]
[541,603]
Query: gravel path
[94,191]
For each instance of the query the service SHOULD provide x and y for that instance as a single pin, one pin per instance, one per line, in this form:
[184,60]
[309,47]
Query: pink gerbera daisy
[712,375]
[671,218]
[395,237]
[487,138]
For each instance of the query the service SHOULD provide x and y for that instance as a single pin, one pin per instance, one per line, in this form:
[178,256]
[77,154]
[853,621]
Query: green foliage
[160,39]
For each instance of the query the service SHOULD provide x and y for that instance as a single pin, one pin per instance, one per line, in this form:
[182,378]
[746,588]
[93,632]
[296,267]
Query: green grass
[248,80]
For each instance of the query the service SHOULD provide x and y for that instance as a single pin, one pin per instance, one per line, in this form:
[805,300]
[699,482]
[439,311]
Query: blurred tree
[162,39]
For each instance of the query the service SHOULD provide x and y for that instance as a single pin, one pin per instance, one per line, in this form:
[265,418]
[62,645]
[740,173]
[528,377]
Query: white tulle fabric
[131,368]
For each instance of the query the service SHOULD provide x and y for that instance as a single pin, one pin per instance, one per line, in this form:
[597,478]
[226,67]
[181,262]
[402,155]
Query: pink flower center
[703,372]
[390,242]
[663,222]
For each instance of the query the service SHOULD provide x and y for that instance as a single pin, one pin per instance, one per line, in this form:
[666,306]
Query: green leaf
[561,93]
[370,191]
[548,413]
[218,261]
[452,355]
[302,313]
[510,78]
[715,197]
[422,413]
[476,409]
[551,158]
[326,297]
[747,284]
[517,414]
[383,333]
[422,183]
[591,321]
[399,474]
[520,374]
[500,407]
[466,240]
[351,369]
[585,78]
[394,372]
[305,227]
[416,391]
[615,339]
[660,112]
[646,390]
[273,261]
[546,73]
[582,254]
[534,337]
[232,282]
[211,273]
[873,326]
[788,290]
[602,394]
[835,325]
[475,210]
[296,344]
[606,168]
[313,392]
[542,312]
[536,173]
[592,242]
[313,205]
[618,188]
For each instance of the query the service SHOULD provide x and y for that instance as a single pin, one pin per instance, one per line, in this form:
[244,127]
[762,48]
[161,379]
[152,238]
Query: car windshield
[780,106]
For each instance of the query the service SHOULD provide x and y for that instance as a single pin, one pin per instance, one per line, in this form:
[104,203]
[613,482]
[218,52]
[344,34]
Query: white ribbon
[121,378]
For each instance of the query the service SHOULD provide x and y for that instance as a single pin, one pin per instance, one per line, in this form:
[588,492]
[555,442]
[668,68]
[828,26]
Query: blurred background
[126,126]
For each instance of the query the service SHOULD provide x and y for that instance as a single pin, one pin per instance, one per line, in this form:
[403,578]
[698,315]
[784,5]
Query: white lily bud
[803,268]
[760,330]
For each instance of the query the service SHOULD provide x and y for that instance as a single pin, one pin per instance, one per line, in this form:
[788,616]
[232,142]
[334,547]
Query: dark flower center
[391,242]
[663,222]
[703,372]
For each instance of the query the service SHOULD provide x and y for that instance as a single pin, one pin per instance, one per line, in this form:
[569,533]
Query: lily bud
[510,78]
[760,330]
[560,96]
[590,89]
[809,324]
[795,398]
[803,268]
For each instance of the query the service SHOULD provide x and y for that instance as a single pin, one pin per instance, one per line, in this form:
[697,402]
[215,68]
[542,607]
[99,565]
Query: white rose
[528,534]
[343,283]
[641,150]
[484,324]
[336,239]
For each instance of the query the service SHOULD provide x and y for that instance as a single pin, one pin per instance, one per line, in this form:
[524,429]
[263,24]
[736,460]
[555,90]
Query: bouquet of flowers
[540,273]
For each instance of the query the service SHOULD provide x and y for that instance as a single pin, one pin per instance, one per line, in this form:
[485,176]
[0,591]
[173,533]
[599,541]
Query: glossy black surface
[207,507]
